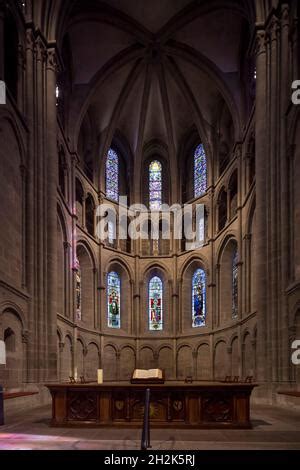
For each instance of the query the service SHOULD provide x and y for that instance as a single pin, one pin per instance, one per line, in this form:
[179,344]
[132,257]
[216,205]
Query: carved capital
[52,60]
[229,350]
[285,15]
[273,29]
[25,336]
[30,42]
[39,48]
[61,346]
[260,42]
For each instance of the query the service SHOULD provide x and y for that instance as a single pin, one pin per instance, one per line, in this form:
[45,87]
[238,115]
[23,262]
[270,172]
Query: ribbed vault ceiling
[152,72]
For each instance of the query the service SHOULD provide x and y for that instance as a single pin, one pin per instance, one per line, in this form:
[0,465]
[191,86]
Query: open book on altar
[147,376]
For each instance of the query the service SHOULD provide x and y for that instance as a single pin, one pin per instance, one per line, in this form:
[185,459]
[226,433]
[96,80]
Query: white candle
[100,376]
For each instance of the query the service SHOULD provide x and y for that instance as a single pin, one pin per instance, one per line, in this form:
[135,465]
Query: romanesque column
[261,164]
[2,45]
[52,181]
[30,210]
[285,85]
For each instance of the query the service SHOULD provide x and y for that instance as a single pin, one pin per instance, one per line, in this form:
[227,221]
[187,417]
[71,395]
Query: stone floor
[273,428]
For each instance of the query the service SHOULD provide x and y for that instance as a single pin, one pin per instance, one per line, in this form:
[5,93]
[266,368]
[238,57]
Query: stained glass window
[78,290]
[198,298]
[155,303]
[113,300]
[199,171]
[155,185]
[112,175]
[235,284]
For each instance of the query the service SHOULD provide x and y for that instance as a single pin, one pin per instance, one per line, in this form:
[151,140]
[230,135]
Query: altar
[172,404]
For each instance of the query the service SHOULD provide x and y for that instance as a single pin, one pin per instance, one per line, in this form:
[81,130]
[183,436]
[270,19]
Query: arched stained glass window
[155,185]
[78,290]
[200,184]
[155,303]
[235,283]
[198,298]
[112,175]
[113,300]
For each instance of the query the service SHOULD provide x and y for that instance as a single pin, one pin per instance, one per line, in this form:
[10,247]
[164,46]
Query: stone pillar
[261,163]
[21,72]
[273,199]
[30,212]
[2,45]
[284,365]
[175,305]
[41,258]
[229,361]
[52,180]
[218,291]
[61,346]
[247,273]
[240,286]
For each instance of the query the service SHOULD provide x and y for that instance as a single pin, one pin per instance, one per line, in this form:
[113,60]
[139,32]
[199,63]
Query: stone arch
[92,361]
[247,355]
[127,362]
[110,362]
[80,358]
[67,368]
[13,307]
[15,371]
[87,268]
[63,262]
[225,279]
[235,356]
[79,200]
[165,361]
[221,209]
[220,360]
[184,362]
[147,357]
[90,207]
[204,366]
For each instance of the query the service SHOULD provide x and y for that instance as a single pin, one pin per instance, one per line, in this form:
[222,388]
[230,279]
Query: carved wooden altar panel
[200,405]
